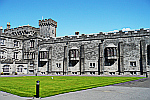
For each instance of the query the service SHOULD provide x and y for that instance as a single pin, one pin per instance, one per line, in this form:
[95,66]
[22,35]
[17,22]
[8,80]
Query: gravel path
[145,83]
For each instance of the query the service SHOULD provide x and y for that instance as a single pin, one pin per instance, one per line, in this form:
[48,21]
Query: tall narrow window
[107,52]
[33,55]
[16,43]
[90,64]
[2,55]
[15,55]
[2,41]
[93,64]
[115,53]
[32,43]
[43,54]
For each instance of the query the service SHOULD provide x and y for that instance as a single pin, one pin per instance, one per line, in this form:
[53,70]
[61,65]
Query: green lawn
[25,86]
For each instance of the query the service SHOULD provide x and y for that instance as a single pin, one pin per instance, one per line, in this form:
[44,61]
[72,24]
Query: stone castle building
[30,50]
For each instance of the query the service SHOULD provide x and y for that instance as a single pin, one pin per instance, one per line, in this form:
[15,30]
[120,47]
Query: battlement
[26,29]
[98,36]
[47,22]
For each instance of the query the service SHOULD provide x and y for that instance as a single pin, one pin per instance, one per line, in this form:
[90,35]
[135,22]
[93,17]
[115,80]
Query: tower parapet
[48,27]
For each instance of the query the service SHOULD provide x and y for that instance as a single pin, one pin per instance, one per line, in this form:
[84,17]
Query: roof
[43,49]
[111,45]
[74,47]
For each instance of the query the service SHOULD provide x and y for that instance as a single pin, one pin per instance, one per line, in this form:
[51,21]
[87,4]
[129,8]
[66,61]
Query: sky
[84,16]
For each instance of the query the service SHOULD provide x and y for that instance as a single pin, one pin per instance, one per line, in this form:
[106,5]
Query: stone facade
[29,50]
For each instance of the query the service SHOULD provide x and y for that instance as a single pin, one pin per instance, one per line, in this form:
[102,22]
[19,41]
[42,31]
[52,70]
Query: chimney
[8,25]
[1,29]
[76,33]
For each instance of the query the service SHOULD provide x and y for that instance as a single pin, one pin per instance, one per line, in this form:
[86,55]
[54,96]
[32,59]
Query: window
[2,54]
[92,73]
[43,55]
[115,52]
[6,68]
[32,43]
[58,65]
[133,64]
[19,68]
[74,73]
[43,72]
[57,73]
[32,55]
[16,43]
[53,31]
[110,51]
[92,65]
[74,53]
[15,55]
[29,55]
[26,55]
[31,63]
[2,41]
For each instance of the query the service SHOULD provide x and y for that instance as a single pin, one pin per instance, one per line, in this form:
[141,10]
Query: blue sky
[85,16]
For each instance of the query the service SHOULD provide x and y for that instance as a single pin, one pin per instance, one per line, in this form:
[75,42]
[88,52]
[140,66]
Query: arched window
[6,68]
[19,68]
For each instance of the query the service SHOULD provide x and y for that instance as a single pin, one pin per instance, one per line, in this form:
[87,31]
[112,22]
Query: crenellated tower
[48,28]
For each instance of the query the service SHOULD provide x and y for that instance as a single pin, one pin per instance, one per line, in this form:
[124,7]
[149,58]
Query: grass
[25,86]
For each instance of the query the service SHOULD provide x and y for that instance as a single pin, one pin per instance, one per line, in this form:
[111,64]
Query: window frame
[2,42]
[16,55]
[32,43]
[132,63]
[92,64]
[6,68]
[58,65]
[16,43]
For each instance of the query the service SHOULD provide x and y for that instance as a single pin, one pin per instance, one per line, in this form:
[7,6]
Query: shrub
[2,73]
[15,73]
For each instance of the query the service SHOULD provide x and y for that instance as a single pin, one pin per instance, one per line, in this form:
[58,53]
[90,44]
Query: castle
[30,50]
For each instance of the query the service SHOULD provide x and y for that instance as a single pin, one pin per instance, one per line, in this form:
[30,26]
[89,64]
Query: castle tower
[48,27]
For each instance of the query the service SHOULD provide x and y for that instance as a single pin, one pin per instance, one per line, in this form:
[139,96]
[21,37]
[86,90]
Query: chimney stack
[76,33]
[1,29]
[8,25]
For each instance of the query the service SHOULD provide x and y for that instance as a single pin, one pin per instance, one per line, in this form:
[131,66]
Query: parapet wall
[99,36]
[21,30]
[47,22]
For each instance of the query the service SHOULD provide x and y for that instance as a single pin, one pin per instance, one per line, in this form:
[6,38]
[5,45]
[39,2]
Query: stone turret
[48,28]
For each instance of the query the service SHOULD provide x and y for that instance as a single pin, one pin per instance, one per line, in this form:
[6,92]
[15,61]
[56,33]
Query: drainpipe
[38,58]
[0,56]
[103,56]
